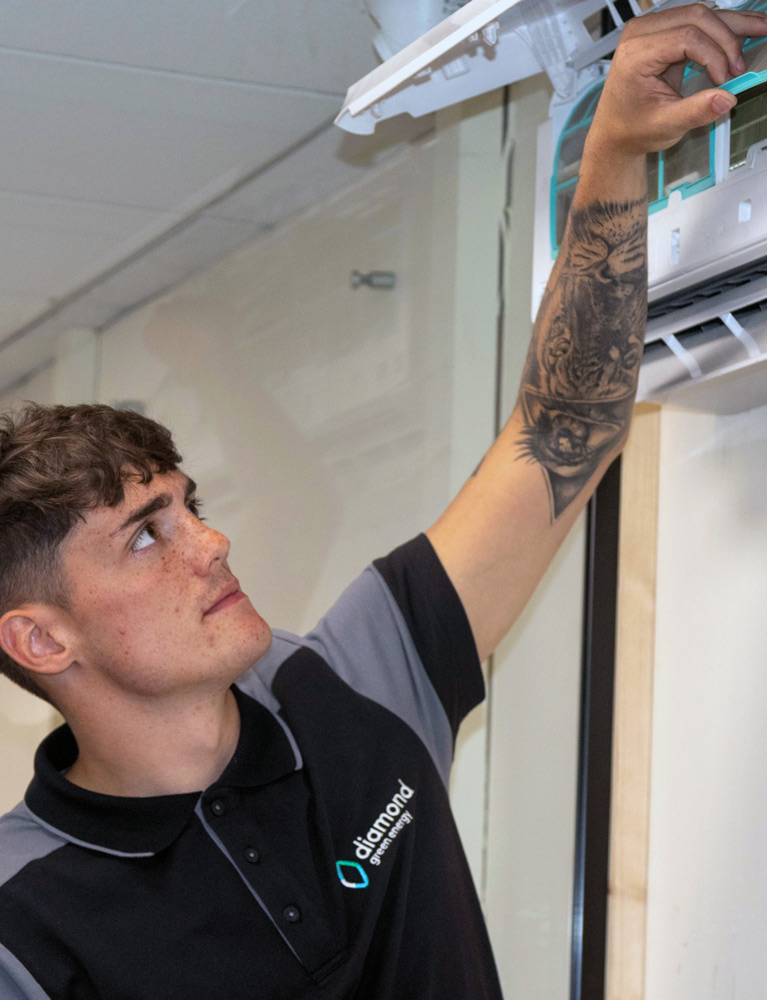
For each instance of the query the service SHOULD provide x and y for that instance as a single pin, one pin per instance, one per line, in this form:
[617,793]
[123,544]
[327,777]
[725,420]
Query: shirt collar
[141,826]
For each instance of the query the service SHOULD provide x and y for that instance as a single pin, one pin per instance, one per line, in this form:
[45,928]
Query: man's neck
[157,749]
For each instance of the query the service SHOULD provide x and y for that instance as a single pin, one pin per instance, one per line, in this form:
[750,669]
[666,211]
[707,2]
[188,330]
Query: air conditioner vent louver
[713,347]
[752,311]
[701,341]
[704,291]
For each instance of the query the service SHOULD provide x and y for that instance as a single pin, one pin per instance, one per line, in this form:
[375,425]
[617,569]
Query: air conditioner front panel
[707,233]
[485,44]
[731,391]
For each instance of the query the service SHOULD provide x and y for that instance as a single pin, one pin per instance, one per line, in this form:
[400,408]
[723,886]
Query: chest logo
[352,869]
[386,827]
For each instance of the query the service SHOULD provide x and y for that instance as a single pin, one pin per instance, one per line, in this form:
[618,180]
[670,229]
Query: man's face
[152,601]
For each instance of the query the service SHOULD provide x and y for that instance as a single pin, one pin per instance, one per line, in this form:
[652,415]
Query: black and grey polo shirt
[323,863]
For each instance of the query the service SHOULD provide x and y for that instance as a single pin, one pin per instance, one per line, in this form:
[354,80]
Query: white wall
[707,904]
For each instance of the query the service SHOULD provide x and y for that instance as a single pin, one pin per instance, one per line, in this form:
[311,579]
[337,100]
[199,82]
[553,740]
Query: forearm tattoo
[580,376]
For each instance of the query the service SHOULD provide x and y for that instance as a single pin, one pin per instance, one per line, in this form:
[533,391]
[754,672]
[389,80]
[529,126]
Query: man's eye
[194,507]
[147,537]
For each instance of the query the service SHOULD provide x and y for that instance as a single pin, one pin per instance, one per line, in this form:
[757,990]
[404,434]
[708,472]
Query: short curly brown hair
[56,463]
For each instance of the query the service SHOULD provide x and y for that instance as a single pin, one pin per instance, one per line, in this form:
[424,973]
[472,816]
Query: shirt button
[292,914]
[252,855]
[218,807]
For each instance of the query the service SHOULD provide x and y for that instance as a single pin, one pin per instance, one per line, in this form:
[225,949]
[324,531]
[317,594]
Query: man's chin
[265,641]
[258,643]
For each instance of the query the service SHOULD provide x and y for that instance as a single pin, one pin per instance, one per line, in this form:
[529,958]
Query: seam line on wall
[172,74]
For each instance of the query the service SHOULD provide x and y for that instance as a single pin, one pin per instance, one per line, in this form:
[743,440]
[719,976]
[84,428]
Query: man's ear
[33,637]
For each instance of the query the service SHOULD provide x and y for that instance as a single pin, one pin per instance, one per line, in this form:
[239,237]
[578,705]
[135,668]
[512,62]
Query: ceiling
[144,140]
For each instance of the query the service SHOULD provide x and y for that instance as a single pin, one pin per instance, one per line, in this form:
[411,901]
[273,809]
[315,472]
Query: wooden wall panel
[632,742]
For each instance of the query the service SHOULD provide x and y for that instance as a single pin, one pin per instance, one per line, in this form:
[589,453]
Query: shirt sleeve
[437,622]
[16,983]
[399,635]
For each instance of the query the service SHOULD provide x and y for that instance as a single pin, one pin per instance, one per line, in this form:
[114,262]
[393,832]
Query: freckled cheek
[172,596]
[214,632]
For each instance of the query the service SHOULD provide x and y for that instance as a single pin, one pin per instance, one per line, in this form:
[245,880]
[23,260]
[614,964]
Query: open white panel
[484,45]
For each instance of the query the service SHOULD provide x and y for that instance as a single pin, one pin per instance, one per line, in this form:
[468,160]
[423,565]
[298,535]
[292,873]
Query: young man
[238,815]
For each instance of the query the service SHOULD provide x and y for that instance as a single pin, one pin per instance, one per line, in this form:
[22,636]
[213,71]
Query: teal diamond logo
[353,870]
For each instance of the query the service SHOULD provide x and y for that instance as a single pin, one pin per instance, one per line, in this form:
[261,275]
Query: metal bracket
[374,279]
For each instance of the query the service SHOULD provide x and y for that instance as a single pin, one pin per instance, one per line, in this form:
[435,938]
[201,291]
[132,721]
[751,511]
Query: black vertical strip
[505,115]
[592,837]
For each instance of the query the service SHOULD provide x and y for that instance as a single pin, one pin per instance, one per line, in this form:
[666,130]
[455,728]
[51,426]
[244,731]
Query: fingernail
[724,102]
[740,64]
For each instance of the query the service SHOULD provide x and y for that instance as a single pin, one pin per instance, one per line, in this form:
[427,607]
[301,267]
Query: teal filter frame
[583,114]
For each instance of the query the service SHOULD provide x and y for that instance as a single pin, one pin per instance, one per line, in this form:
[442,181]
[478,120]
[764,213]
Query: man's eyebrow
[159,502]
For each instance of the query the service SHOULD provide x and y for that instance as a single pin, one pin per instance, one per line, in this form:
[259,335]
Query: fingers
[740,22]
[692,112]
[744,23]
[724,29]
[641,108]
[653,54]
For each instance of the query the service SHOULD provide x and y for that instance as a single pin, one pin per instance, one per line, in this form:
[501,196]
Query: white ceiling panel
[41,213]
[330,161]
[127,123]
[133,138]
[315,44]
[293,186]
[198,245]
[47,244]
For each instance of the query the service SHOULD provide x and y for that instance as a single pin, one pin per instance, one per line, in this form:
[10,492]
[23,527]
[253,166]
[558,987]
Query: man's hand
[641,109]
[500,533]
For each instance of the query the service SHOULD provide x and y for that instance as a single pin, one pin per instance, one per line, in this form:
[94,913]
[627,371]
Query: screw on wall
[374,279]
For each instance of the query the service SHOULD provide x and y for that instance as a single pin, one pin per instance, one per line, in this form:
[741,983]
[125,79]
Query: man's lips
[230,595]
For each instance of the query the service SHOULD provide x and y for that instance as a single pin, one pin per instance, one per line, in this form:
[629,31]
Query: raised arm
[577,393]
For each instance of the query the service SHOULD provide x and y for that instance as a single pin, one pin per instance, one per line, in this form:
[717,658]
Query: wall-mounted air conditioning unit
[706,343]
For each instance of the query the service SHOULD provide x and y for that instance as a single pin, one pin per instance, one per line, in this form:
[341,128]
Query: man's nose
[207,547]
